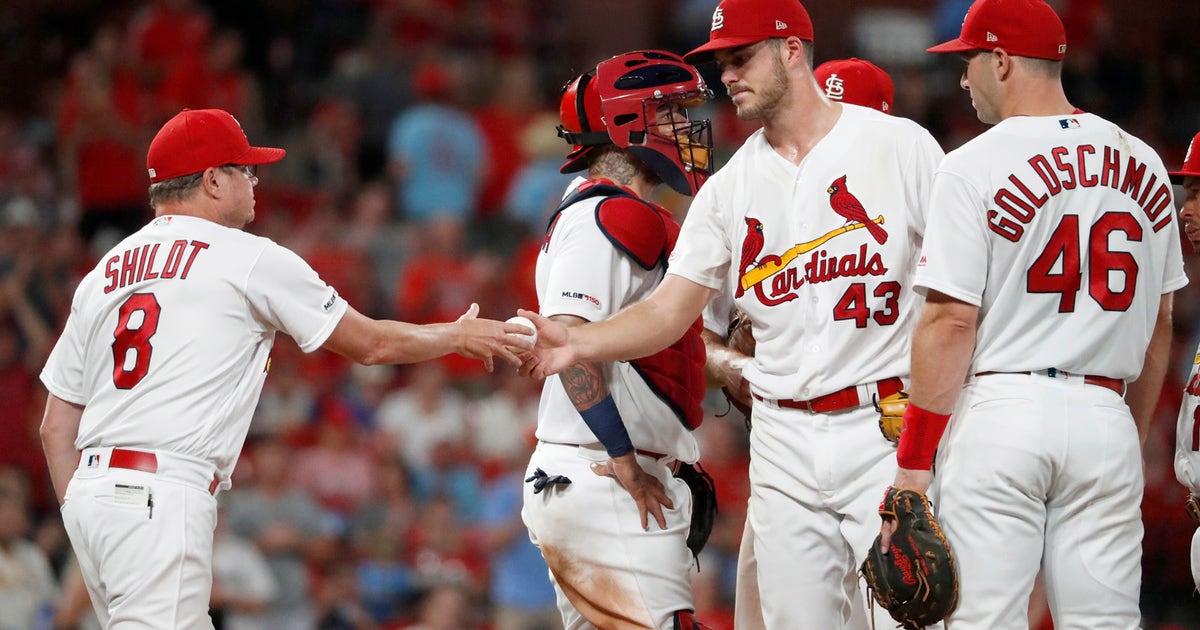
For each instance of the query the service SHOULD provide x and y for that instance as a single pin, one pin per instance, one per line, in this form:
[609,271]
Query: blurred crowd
[422,165]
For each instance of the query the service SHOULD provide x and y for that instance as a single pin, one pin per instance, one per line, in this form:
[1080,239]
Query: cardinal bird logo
[751,247]
[846,204]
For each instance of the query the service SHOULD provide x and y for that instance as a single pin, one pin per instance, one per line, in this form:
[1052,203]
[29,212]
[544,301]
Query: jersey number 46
[1101,262]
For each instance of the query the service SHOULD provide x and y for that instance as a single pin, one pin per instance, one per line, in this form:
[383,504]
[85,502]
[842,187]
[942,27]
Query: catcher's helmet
[638,101]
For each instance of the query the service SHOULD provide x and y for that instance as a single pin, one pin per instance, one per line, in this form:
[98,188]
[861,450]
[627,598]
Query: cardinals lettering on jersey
[821,266]
[1016,206]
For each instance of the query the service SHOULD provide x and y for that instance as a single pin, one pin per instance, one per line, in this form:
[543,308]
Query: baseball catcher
[914,578]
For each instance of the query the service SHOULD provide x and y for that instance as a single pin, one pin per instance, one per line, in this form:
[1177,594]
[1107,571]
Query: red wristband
[919,439]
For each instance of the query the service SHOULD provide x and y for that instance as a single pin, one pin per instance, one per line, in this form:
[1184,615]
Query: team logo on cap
[835,88]
[718,19]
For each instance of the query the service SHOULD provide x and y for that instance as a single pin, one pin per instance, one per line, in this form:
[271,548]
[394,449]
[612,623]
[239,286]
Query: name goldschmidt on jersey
[1084,166]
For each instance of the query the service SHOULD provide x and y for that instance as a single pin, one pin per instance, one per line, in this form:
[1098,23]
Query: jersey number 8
[136,340]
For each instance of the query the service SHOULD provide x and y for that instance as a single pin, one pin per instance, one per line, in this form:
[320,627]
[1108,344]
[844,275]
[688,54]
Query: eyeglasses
[249,170]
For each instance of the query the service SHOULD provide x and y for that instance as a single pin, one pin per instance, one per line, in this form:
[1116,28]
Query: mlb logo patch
[93,460]
[1069,123]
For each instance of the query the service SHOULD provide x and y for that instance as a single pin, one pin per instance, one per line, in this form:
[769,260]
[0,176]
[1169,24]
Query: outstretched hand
[552,352]
[647,491]
[906,479]
[484,339]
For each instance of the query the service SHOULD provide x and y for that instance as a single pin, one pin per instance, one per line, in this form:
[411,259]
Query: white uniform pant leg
[747,609]
[992,474]
[816,482]
[607,571]
[143,570]
[1021,475]
[1094,523]
[858,501]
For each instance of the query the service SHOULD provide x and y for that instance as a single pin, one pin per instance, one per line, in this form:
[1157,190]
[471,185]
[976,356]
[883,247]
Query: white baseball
[524,321]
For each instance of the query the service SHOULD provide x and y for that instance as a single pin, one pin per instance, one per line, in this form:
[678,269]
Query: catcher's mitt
[891,415]
[740,337]
[704,504]
[916,581]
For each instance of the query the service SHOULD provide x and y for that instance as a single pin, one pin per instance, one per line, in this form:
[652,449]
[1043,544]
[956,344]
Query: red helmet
[582,124]
[638,101]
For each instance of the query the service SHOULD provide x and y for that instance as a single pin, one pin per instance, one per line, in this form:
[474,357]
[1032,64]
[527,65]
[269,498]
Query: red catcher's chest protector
[646,233]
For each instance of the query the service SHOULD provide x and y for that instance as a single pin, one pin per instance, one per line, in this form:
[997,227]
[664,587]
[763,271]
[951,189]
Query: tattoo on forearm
[584,384]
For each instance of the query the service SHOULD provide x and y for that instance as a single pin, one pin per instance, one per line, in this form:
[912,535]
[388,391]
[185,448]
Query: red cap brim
[261,155]
[1177,176]
[704,53]
[952,46]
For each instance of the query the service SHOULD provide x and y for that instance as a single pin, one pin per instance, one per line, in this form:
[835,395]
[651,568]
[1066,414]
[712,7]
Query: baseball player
[853,81]
[600,499]
[812,227]
[153,382]
[856,81]
[1048,267]
[1187,434]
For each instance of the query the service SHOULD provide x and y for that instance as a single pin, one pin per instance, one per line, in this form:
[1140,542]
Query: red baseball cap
[196,139]
[1191,162]
[856,81]
[738,23]
[1023,28]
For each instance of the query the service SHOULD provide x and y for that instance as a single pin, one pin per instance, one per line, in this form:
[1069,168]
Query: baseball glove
[740,337]
[916,581]
[891,415]
[704,505]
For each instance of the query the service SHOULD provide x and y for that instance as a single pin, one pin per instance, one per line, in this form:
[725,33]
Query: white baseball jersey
[168,339]
[581,273]
[1051,224]
[1187,432]
[818,255]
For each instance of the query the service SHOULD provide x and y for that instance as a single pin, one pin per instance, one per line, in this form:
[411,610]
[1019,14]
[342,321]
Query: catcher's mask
[639,101]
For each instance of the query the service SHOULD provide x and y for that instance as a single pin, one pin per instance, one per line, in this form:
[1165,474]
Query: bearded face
[759,98]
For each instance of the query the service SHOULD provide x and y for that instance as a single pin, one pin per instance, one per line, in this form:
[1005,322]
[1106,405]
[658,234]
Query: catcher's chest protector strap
[647,233]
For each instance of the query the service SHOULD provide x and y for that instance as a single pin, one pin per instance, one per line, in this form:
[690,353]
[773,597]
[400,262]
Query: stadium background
[380,498]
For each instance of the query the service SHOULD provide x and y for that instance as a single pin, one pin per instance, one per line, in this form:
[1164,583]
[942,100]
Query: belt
[1107,382]
[847,398]
[145,462]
